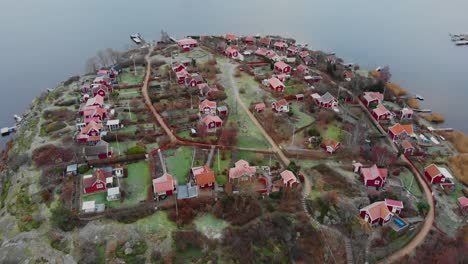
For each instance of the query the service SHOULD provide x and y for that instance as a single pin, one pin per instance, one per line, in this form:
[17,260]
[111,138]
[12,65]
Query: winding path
[428,222]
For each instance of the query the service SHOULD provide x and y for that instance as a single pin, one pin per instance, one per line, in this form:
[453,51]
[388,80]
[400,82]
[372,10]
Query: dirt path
[231,68]
[427,225]
[144,91]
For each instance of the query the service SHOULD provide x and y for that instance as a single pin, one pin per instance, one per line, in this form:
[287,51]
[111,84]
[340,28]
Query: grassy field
[210,226]
[99,198]
[179,162]
[129,93]
[221,167]
[129,77]
[334,132]
[137,184]
[156,223]
[303,119]
[406,178]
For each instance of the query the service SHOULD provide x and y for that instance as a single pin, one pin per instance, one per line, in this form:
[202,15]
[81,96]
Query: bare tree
[385,74]
[113,56]
[165,37]
[102,58]
[91,65]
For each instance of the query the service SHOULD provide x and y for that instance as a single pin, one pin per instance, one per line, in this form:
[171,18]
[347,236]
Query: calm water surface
[45,42]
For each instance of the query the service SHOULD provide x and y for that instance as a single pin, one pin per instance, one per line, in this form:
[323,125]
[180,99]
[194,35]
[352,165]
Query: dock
[461,42]
[422,110]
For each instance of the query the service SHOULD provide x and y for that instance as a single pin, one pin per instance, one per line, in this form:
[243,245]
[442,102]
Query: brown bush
[413,103]
[396,89]
[459,165]
[458,139]
[50,155]
[434,118]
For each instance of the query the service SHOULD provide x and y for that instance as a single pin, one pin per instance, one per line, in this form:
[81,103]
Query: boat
[461,42]
[419,97]
[457,37]
[422,110]
[17,118]
[136,38]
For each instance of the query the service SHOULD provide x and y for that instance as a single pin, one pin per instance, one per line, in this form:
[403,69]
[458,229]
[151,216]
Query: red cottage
[407,148]
[381,212]
[181,75]
[99,89]
[96,182]
[275,85]
[231,52]
[400,132]
[260,107]
[92,129]
[292,50]
[177,67]
[372,98]
[280,45]
[212,122]
[207,107]
[381,113]
[282,67]
[192,80]
[435,174]
[280,106]
[330,145]
[187,44]
[327,100]
[266,42]
[249,40]
[374,176]
[288,178]
[204,177]
[164,186]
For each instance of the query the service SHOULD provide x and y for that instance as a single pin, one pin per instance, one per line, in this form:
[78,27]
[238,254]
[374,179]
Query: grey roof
[327,97]
[187,191]
[222,108]
[72,168]
[99,148]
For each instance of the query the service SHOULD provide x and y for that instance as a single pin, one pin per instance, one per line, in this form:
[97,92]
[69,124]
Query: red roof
[230,37]
[302,67]
[187,42]
[206,104]
[394,203]
[99,175]
[203,175]
[463,201]
[260,106]
[397,129]
[373,173]
[304,54]
[249,39]
[377,210]
[209,118]
[406,145]
[164,183]
[370,96]
[288,177]
[280,44]
[92,125]
[433,171]
[281,65]
[96,100]
[241,168]
[265,41]
[231,49]
[280,103]
[292,49]
[274,82]
[381,110]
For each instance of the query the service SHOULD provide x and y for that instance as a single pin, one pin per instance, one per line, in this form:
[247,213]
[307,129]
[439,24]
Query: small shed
[72,169]
[299,97]
[113,194]
[89,207]
[222,110]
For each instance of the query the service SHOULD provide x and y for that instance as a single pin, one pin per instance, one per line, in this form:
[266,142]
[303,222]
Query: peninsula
[231,149]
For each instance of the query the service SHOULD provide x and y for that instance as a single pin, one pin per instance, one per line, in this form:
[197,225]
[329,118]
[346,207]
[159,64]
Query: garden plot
[210,226]
[128,76]
[129,93]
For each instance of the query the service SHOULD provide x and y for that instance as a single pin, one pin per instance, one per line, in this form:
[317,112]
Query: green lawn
[257,159]
[156,223]
[179,162]
[129,77]
[129,93]
[210,226]
[138,182]
[334,132]
[406,178]
[99,198]
[303,119]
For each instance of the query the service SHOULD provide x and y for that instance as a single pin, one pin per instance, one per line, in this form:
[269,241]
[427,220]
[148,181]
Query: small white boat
[461,42]
[434,140]
[17,118]
[419,97]
[136,38]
